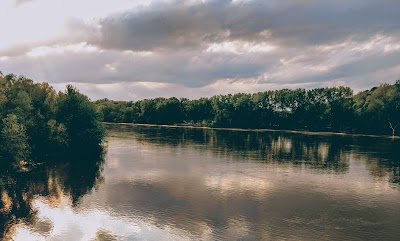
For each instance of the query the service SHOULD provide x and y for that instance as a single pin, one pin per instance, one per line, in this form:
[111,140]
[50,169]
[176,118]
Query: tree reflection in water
[50,181]
[329,153]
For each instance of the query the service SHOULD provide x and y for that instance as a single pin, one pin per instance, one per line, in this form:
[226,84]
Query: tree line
[338,109]
[36,122]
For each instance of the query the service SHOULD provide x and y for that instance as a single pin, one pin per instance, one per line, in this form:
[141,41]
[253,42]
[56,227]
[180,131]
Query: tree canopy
[37,122]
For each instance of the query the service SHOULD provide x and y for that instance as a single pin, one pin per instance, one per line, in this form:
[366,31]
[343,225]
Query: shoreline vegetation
[39,125]
[303,132]
[374,112]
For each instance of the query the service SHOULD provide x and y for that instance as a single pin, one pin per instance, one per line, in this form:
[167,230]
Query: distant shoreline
[256,130]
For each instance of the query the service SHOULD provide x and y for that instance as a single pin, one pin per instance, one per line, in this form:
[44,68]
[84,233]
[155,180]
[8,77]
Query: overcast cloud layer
[129,50]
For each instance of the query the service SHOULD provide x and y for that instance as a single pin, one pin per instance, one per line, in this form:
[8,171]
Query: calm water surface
[158,183]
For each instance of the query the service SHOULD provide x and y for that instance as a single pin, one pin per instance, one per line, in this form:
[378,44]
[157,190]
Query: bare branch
[390,123]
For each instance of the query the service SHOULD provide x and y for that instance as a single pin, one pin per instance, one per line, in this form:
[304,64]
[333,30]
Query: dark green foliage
[198,111]
[376,111]
[79,118]
[37,122]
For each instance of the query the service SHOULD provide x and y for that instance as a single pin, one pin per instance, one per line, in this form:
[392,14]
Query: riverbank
[256,130]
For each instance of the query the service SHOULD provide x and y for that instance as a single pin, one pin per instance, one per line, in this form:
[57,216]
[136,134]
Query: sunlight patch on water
[65,222]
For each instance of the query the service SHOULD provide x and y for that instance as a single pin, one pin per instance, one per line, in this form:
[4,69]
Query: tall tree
[80,118]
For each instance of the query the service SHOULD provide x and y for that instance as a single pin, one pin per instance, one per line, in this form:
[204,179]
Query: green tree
[14,142]
[80,118]
[379,108]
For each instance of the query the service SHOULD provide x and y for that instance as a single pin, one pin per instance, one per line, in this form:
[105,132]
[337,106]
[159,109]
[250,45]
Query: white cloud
[240,47]
[111,67]
[4,58]
[44,51]
[139,53]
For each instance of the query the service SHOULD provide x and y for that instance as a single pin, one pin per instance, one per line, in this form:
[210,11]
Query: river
[162,183]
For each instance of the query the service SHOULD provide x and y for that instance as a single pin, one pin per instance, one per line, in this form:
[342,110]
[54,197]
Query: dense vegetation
[375,111]
[37,123]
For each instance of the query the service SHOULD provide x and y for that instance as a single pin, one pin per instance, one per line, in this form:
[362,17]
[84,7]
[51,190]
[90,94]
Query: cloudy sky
[135,49]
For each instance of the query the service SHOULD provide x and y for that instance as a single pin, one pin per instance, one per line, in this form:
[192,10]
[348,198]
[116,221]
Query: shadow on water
[52,179]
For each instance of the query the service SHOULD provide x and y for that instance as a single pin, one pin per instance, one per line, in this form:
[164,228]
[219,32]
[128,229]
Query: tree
[380,107]
[14,142]
[80,118]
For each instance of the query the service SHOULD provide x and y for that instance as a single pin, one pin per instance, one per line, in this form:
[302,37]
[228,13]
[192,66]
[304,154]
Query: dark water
[159,183]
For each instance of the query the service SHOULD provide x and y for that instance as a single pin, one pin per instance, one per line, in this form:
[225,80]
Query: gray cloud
[189,68]
[293,23]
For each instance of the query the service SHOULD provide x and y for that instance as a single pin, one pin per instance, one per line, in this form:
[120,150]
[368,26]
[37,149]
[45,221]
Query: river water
[161,183]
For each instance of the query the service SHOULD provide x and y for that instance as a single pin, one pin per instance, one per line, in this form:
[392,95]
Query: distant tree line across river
[337,109]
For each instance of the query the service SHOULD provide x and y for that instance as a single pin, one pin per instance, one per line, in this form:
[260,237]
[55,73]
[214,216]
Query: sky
[135,49]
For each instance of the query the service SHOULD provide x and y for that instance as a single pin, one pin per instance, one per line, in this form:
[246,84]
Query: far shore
[256,130]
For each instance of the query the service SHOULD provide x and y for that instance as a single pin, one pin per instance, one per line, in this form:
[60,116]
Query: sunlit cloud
[111,67]
[240,47]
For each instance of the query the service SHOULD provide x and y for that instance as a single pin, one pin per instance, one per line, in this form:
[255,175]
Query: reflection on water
[50,183]
[160,183]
